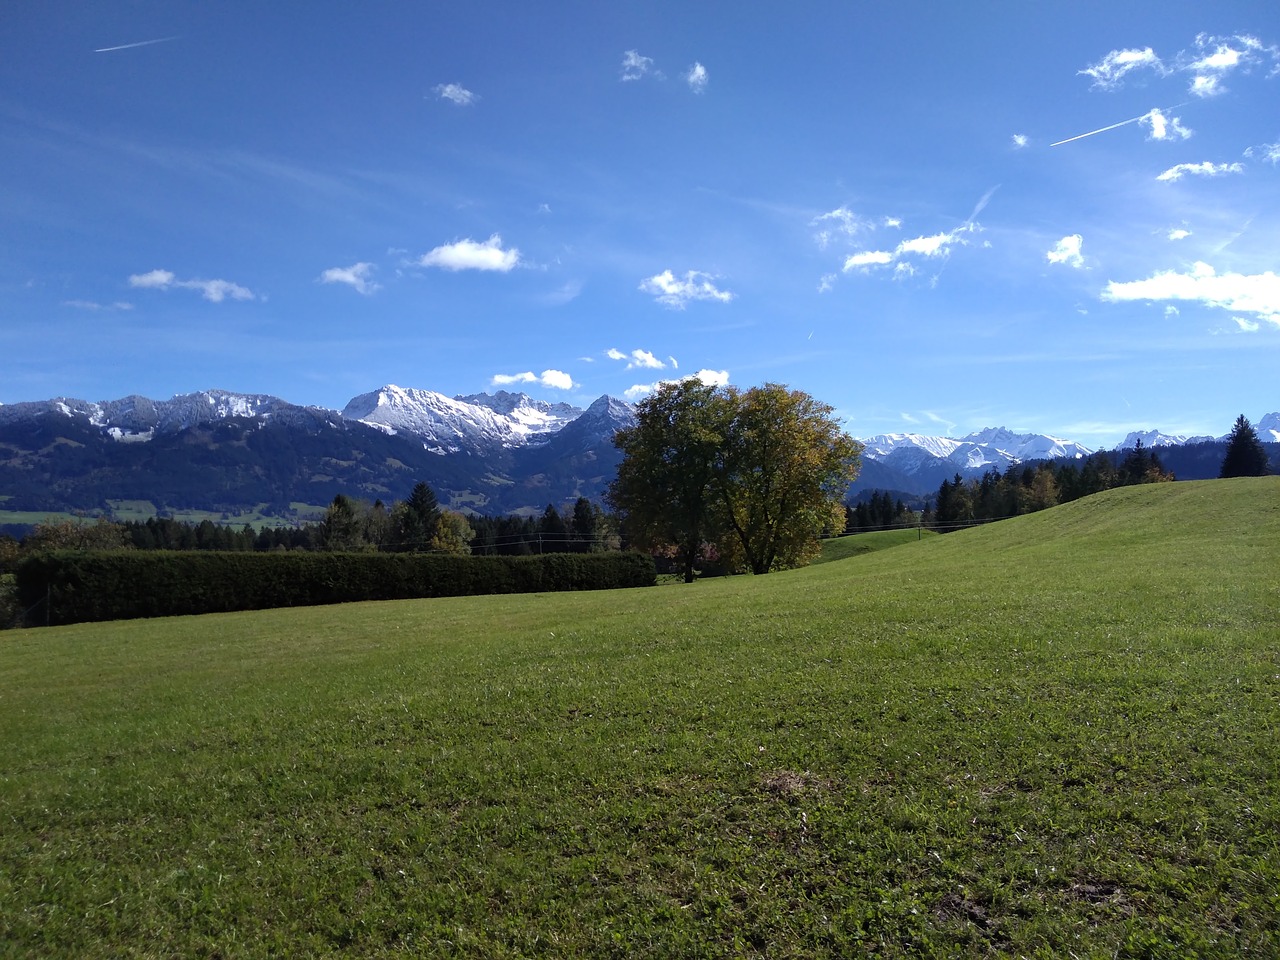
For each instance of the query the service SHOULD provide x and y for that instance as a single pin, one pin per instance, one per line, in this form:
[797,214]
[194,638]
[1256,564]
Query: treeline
[879,511]
[1030,487]
[415,525]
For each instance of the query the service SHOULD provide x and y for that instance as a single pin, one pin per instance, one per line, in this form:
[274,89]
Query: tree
[415,520]
[758,473]
[340,529]
[670,459]
[786,469]
[1245,456]
[586,526]
[453,534]
[102,534]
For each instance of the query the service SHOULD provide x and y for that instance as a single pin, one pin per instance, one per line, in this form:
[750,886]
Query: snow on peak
[992,447]
[1157,438]
[451,423]
[1268,428]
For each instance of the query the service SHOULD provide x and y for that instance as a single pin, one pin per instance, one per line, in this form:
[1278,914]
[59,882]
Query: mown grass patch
[1052,734]
[855,545]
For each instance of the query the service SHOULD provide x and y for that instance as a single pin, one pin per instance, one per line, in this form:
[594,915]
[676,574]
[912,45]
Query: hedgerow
[77,587]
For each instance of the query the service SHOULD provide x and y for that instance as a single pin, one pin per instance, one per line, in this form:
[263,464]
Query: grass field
[1051,736]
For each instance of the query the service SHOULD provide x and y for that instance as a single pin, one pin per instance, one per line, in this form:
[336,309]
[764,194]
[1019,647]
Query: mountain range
[496,453]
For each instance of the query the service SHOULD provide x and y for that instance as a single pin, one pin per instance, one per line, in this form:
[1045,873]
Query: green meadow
[1051,736]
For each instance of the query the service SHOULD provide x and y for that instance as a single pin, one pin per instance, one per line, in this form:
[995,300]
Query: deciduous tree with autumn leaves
[760,472]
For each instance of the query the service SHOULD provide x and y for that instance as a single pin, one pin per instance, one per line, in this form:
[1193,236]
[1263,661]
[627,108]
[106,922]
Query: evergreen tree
[1245,455]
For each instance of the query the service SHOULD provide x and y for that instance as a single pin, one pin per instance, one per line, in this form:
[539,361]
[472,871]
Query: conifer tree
[1245,455]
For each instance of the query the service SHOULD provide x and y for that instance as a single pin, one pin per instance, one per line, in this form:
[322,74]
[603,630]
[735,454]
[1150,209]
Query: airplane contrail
[130,46]
[1101,129]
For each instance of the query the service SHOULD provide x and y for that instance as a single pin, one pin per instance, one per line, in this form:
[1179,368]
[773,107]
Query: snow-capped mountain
[138,418]
[219,450]
[1268,428]
[993,447]
[1155,438]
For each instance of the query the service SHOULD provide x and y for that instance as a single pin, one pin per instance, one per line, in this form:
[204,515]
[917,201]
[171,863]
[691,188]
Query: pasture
[1049,736]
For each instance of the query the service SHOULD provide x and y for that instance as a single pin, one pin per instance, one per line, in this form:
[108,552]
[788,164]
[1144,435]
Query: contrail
[130,46]
[1101,130]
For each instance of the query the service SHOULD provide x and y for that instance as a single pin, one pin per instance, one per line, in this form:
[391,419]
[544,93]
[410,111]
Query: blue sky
[871,202]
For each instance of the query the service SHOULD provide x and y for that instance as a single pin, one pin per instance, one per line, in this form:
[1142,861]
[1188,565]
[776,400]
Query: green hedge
[124,585]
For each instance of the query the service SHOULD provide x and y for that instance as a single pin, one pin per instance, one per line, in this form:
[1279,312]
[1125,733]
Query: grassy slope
[1052,733]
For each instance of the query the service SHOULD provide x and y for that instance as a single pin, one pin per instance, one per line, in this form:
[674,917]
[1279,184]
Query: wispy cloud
[635,66]
[554,379]
[357,276]
[1067,250]
[673,293]
[215,291]
[94,306]
[470,255]
[1257,294]
[455,93]
[130,46]
[840,222]
[1019,141]
[697,78]
[933,246]
[1206,169]
[1108,72]
[1269,152]
[1179,233]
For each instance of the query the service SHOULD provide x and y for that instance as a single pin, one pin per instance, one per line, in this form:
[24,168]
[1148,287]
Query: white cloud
[215,291]
[1067,250]
[1172,311]
[356,275]
[697,78]
[155,280]
[1162,127]
[1257,294]
[469,255]
[674,293]
[643,358]
[826,282]
[934,246]
[638,358]
[1179,233]
[1215,57]
[1019,141]
[635,66]
[902,270]
[1111,69]
[893,222]
[712,378]
[555,379]
[1206,169]
[937,245]
[868,258]
[1248,326]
